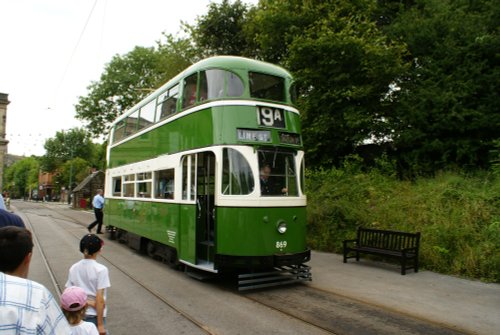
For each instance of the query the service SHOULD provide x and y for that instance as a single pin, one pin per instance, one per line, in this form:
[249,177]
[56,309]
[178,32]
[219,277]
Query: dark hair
[15,244]
[90,244]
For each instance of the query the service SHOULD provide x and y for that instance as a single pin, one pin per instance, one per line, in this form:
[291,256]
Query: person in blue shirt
[9,219]
[98,204]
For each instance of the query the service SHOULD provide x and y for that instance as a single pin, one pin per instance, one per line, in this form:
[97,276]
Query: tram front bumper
[227,262]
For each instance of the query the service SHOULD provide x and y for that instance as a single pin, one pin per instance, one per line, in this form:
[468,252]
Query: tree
[22,177]
[222,30]
[66,145]
[129,78]
[447,106]
[344,66]
[72,172]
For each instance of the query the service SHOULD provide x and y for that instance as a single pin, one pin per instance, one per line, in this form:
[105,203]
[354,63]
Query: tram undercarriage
[253,272]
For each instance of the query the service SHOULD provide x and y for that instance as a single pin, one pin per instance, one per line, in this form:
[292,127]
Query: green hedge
[458,215]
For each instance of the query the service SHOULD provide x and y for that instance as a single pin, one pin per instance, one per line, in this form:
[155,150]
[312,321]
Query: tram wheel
[151,249]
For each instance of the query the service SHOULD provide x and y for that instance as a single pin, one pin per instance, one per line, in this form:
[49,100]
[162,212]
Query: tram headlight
[282,227]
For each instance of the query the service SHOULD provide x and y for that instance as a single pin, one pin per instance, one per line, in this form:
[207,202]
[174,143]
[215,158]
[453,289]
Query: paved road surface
[456,304]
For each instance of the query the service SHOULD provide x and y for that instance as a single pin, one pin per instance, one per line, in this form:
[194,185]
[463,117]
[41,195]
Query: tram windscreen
[237,177]
[265,86]
[277,173]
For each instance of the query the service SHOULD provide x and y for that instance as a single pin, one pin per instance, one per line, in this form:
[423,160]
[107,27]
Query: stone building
[4,101]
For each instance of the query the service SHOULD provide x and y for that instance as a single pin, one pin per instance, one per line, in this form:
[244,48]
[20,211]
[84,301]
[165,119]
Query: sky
[51,50]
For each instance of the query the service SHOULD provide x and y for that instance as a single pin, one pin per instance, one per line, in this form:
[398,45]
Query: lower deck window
[164,181]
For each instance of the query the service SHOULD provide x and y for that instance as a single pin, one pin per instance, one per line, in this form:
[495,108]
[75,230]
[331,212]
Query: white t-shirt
[84,328]
[90,276]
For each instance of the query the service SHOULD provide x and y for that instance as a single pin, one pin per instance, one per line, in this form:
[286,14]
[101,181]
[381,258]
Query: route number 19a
[271,117]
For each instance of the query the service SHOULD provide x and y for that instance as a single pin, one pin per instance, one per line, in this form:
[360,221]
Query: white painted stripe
[202,107]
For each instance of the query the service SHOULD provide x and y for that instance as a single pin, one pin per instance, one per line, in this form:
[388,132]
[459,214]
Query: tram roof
[221,62]
[235,62]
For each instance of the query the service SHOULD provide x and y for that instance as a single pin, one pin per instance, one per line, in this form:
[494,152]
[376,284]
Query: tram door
[205,222]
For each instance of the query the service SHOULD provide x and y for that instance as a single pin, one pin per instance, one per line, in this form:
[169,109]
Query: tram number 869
[280,244]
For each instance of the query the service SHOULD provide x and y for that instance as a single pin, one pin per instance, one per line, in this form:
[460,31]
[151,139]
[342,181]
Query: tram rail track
[160,297]
[326,311]
[180,311]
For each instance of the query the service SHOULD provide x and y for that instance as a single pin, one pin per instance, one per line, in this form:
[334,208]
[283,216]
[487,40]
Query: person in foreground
[93,277]
[74,305]
[26,307]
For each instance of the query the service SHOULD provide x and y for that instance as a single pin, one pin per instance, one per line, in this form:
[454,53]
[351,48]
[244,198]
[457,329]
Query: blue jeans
[93,319]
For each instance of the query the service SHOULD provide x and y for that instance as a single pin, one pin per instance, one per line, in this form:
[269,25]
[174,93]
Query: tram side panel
[152,220]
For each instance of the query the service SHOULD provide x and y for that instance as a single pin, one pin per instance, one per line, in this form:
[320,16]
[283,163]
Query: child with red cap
[93,278]
[74,305]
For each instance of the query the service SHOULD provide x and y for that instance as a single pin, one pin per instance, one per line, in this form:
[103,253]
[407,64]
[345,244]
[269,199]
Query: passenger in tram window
[267,184]
[74,304]
[26,307]
[93,277]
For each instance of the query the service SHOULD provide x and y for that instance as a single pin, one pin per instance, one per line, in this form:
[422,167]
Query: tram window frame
[263,87]
[164,184]
[144,184]
[167,103]
[189,97]
[131,123]
[147,115]
[211,85]
[280,181]
[117,186]
[293,93]
[119,132]
[302,175]
[128,188]
[189,177]
[232,175]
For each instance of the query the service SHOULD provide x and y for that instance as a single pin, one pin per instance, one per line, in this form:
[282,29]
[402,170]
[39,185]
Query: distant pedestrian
[93,278]
[98,204]
[9,219]
[2,202]
[26,307]
[74,305]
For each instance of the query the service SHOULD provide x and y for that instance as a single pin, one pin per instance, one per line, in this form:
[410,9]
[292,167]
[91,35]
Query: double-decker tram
[208,172]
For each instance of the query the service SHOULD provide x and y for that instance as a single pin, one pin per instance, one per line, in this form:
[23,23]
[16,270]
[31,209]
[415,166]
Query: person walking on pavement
[98,204]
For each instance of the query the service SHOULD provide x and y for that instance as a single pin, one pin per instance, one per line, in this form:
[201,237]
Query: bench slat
[391,243]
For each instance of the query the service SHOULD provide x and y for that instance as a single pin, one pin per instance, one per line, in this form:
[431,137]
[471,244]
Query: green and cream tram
[208,171]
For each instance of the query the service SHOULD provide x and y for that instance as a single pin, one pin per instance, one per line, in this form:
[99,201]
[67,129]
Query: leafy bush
[458,215]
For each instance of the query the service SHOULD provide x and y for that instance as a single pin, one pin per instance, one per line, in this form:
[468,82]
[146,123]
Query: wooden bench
[390,243]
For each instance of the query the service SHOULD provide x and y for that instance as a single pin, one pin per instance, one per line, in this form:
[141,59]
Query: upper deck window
[212,84]
[234,85]
[189,91]
[147,115]
[265,86]
[167,103]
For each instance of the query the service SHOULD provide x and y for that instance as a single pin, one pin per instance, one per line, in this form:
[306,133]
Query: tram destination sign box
[254,135]
[271,117]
